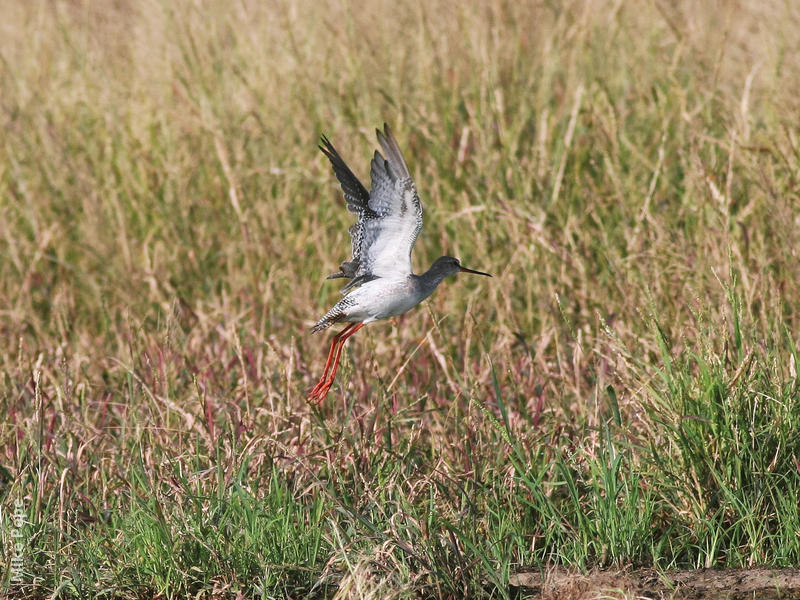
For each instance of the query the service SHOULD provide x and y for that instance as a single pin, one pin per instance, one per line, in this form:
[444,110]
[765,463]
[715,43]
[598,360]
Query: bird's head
[447,265]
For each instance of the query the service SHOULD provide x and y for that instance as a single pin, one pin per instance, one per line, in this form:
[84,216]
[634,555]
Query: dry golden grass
[627,171]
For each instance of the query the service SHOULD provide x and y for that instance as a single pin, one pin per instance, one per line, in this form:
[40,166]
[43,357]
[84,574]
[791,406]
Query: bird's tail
[320,325]
[334,315]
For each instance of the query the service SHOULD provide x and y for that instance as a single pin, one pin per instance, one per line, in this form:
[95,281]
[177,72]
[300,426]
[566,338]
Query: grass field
[623,393]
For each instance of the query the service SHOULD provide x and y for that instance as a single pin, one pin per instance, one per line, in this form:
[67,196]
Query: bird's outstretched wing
[389,216]
[357,198]
[389,238]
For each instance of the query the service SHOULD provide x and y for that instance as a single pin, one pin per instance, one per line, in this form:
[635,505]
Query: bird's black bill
[466,270]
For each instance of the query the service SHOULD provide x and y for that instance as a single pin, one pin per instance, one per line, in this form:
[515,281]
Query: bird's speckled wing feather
[389,218]
[357,198]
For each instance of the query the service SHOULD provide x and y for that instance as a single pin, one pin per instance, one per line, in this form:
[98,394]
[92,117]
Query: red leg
[339,351]
[334,343]
[331,352]
[321,389]
[314,394]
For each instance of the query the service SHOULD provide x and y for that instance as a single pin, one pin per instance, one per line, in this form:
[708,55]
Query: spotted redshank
[381,282]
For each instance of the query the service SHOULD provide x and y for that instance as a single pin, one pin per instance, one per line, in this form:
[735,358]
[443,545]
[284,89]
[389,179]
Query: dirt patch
[708,584]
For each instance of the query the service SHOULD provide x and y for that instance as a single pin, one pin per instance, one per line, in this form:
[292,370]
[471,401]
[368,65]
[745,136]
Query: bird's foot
[319,391]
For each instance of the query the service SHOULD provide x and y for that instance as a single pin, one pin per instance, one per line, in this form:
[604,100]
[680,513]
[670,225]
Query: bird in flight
[381,282]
